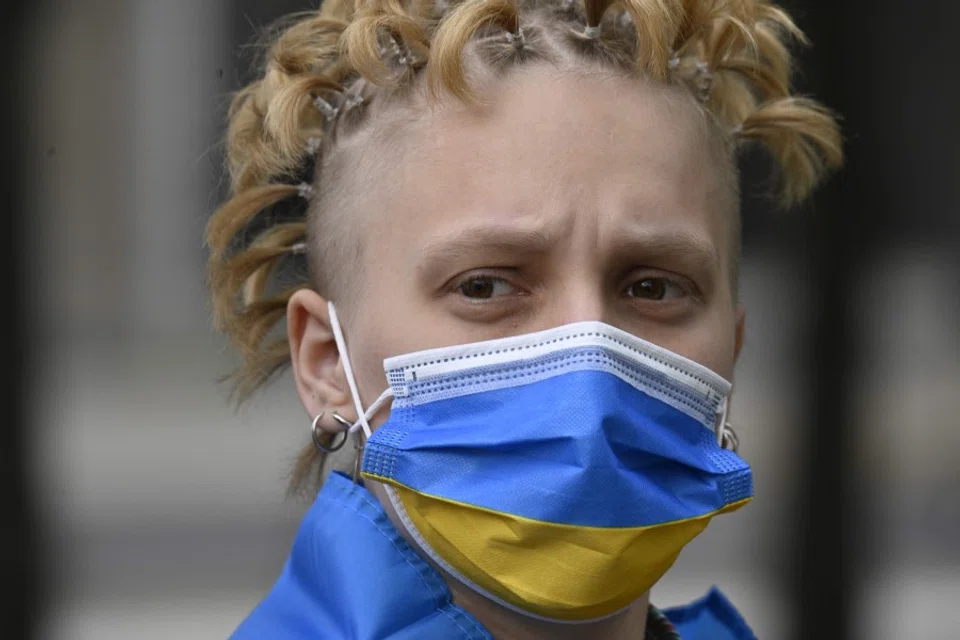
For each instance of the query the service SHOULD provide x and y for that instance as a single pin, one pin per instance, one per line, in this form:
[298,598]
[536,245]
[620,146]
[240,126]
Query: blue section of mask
[581,448]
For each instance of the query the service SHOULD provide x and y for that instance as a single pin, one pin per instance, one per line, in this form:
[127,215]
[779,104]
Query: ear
[741,312]
[321,382]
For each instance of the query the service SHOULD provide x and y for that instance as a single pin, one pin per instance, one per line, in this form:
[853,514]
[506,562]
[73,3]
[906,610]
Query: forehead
[559,150]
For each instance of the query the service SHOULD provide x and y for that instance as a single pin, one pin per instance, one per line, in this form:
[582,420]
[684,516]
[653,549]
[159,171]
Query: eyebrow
[687,248]
[448,249]
[674,246]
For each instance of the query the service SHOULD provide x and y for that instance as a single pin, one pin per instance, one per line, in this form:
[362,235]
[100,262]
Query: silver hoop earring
[316,433]
[729,438]
[359,445]
[346,424]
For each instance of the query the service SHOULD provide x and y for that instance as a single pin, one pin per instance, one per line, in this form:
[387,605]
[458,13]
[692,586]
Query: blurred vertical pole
[18,538]
[834,249]
[175,69]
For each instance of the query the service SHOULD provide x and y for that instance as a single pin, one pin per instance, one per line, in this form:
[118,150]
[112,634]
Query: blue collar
[352,575]
[712,617]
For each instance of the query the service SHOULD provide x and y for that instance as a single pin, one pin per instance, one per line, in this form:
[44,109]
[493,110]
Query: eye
[485,287]
[655,289]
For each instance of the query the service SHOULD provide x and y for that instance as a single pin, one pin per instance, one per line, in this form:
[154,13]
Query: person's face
[571,197]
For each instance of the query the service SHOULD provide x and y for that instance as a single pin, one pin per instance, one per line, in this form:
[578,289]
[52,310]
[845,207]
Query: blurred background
[140,505]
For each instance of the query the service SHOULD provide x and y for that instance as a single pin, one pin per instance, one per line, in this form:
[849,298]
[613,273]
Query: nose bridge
[577,283]
[580,297]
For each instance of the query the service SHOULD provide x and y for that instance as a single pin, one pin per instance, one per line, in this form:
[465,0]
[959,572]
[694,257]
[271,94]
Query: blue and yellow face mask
[558,473]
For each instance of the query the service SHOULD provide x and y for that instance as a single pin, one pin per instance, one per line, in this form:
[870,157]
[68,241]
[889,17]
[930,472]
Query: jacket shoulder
[712,617]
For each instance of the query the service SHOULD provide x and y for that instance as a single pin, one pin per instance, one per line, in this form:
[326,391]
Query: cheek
[717,345]
[710,341]
[368,348]
[384,323]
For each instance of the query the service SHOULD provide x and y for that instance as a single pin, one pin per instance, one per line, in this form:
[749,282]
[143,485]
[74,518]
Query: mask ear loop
[726,437]
[363,421]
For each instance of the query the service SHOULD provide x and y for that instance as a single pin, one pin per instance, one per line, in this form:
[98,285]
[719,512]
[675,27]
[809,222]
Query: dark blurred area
[138,504]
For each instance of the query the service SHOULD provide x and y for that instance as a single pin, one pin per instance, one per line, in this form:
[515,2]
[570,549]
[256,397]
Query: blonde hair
[330,72]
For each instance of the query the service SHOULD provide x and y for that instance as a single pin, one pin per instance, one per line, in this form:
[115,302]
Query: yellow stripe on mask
[559,571]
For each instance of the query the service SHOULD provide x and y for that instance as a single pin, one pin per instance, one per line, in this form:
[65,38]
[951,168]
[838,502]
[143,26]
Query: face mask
[558,473]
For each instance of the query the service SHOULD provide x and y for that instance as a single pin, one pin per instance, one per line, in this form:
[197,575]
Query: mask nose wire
[363,421]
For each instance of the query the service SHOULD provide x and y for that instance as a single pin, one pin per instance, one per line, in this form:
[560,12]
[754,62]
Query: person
[497,241]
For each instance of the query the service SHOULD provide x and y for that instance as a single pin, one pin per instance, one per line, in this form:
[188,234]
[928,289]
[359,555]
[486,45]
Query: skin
[569,196]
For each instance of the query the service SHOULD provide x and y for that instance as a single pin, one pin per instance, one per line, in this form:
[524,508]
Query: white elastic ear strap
[721,430]
[348,370]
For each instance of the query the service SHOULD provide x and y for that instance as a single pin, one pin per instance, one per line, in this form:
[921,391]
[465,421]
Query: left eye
[655,289]
[485,287]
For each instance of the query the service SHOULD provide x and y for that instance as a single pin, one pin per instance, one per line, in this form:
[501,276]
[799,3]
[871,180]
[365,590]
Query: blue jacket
[352,576]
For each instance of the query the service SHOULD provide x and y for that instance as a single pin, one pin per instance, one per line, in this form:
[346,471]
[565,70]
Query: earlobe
[741,318]
[318,372]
